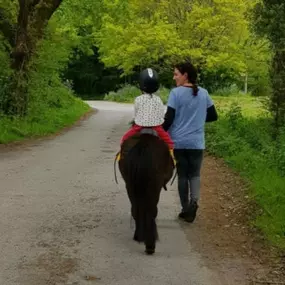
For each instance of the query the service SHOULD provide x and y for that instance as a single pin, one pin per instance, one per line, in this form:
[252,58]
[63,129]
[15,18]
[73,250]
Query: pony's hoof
[136,238]
[150,250]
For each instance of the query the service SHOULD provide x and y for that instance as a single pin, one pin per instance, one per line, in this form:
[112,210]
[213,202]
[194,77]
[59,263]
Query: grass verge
[49,122]
[242,137]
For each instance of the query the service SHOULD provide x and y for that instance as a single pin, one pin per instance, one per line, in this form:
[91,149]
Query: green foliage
[128,93]
[141,35]
[246,145]
[131,35]
[46,89]
[50,103]
[232,90]
[90,78]
[163,93]
[215,35]
[137,44]
[269,21]
[5,72]
[10,10]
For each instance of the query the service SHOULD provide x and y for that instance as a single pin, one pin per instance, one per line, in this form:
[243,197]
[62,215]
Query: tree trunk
[32,19]
[17,104]
[278,96]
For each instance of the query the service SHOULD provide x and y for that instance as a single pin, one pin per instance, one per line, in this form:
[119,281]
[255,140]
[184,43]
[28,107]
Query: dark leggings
[189,162]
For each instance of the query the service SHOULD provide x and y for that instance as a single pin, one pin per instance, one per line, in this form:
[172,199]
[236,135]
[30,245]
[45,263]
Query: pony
[146,167]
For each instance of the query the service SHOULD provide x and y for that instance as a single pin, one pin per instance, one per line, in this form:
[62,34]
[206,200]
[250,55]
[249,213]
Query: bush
[128,93]
[232,90]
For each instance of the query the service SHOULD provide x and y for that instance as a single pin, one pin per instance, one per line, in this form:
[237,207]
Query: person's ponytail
[195,89]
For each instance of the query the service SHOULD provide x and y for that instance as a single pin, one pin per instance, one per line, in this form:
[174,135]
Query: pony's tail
[141,175]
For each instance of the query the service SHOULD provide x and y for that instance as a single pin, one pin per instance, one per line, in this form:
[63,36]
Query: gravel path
[65,221]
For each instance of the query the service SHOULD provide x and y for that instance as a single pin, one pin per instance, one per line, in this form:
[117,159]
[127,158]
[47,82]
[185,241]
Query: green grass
[242,138]
[48,122]
[251,106]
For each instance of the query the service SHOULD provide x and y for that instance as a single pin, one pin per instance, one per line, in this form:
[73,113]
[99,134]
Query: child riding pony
[149,109]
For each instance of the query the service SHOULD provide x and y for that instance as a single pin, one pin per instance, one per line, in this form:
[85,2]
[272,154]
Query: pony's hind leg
[138,235]
[150,249]
[151,235]
[150,246]
[150,243]
[134,213]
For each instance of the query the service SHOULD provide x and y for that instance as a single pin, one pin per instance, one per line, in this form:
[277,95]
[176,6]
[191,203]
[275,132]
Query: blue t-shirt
[187,129]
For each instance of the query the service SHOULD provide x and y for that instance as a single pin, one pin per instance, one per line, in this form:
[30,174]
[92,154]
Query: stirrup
[118,156]
[172,156]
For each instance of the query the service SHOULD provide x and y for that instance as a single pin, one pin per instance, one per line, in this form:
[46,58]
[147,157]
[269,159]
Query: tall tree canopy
[214,34]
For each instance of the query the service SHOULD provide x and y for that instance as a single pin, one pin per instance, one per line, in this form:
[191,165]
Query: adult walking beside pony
[189,107]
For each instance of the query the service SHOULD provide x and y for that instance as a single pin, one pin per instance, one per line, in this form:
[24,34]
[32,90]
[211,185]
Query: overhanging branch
[40,14]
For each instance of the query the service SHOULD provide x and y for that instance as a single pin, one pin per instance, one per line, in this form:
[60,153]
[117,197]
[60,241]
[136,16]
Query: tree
[22,32]
[90,78]
[127,40]
[214,34]
[269,21]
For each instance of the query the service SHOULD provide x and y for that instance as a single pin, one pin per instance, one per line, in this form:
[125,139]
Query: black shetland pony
[146,167]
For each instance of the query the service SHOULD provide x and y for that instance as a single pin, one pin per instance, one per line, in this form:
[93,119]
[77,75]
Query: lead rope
[115,173]
[174,177]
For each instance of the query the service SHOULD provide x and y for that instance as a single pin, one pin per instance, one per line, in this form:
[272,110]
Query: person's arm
[168,118]
[170,113]
[212,114]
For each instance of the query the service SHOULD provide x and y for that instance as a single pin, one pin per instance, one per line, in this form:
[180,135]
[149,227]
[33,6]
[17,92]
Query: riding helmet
[148,80]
